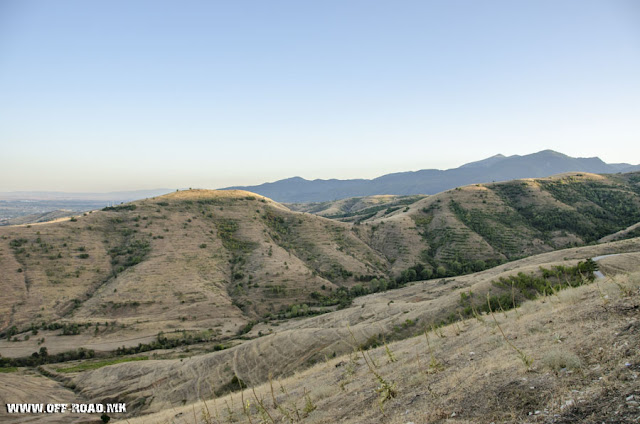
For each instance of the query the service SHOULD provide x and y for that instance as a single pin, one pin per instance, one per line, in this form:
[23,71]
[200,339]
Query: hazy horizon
[149,190]
[114,96]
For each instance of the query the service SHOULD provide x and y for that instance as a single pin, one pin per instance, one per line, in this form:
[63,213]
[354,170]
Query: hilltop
[472,227]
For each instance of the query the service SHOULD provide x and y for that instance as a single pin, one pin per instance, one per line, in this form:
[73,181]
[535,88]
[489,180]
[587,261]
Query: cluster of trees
[276,223]
[118,208]
[130,253]
[343,296]
[496,228]
[164,342]
[226,231]
[443,269]
[67,328]
[43,357]
[300,310]
[336,271]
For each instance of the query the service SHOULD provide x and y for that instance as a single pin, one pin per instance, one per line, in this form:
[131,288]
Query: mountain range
[432,181]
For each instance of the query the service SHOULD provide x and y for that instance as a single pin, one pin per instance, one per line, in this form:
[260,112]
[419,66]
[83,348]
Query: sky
[125,95]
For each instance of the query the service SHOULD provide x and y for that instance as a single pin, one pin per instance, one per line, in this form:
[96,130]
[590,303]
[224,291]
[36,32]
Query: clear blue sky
[118,95]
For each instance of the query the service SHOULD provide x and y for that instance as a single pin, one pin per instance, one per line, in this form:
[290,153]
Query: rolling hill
[196,260]
[356,209]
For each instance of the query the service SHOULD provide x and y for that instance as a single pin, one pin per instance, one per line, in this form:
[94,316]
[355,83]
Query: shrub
[120,208]
[557,359]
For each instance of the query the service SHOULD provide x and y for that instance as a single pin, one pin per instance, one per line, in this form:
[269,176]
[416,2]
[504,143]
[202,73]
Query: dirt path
[599,274]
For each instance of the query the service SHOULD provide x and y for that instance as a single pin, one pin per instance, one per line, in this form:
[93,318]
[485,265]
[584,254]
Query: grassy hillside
[202,261]
[581,366]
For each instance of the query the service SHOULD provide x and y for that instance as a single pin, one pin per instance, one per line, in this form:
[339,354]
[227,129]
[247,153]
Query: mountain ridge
[432,181]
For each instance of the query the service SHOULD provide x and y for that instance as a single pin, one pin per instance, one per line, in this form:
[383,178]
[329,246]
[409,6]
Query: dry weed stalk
[625,290]
[230,417]
[386,389]
[604,297]
[390,355]
[475,313]
[308,405]
[513,300]
[246,406]
[437,331]
[501,308]
[434,364]
[457,331]
[206,414]
[262,410]
[273,396]
[526,360]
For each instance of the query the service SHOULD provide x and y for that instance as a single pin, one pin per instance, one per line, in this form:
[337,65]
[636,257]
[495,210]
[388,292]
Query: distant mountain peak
[549,152]
[485,162]
[431,181]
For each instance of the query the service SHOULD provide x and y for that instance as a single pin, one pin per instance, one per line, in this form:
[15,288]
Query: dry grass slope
[582,341]
[196,260]
[288,348]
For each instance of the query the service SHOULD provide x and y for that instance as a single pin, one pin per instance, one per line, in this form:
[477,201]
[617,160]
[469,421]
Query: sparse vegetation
[99,364]
[227,229]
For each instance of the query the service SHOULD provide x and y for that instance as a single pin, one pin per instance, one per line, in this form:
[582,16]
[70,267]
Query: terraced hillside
[473,227]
